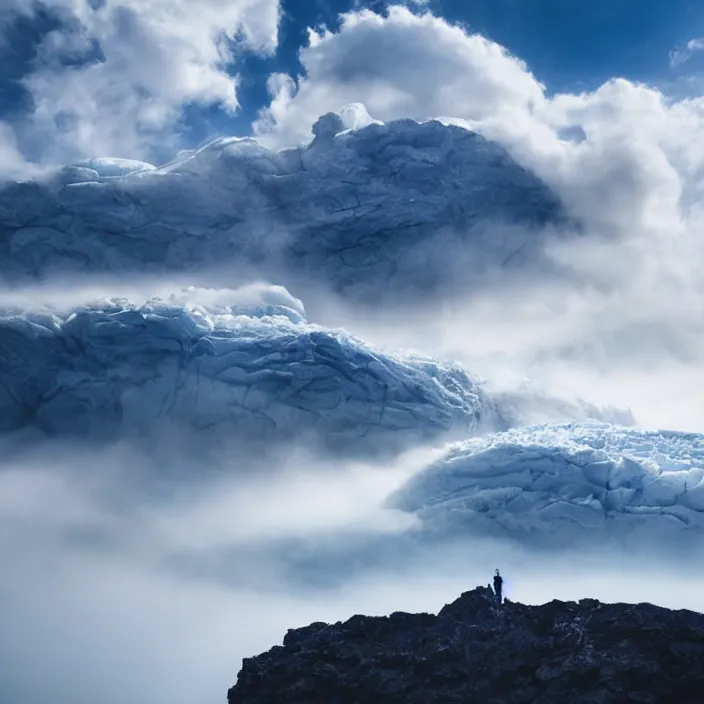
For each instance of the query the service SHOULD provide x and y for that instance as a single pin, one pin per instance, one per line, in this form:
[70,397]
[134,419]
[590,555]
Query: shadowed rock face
[474,651]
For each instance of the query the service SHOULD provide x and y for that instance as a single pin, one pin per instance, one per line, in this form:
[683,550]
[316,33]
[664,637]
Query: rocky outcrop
[475,651]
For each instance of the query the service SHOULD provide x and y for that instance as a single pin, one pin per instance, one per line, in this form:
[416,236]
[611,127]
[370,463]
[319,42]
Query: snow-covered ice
[367,208]
[244,363]
[111,167]
[556,485]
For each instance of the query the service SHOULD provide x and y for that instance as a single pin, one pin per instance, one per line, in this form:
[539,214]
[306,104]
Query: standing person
[498,583]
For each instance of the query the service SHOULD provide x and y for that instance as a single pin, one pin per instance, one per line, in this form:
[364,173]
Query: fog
[116,588]
[148,577]
[628,341]
[137,574]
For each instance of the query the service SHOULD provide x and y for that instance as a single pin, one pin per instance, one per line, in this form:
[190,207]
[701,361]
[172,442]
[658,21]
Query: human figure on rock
[498,583]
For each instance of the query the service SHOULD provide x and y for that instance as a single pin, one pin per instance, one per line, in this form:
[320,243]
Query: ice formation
[243,363]
[107,167]
[557,484]
[364,207]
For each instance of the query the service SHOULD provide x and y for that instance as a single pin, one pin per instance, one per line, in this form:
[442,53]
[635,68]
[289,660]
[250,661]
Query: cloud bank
[127,587]
[113,78]
[625,159]
[142,577]
[224,364]
[567,486]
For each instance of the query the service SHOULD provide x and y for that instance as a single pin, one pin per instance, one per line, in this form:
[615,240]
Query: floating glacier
[557,484]
[241,363]
[369,210]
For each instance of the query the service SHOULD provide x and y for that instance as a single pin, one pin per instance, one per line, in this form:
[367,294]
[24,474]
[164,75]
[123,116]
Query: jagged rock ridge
[474,651]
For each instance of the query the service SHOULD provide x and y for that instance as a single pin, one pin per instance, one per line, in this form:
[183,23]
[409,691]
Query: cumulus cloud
[403,65]
[626,160]
[115,76]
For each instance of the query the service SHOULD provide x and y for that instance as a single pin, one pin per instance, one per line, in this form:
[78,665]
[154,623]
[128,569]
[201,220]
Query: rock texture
[403,206]
[476,652]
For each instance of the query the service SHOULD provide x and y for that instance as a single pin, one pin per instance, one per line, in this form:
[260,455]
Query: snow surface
[245,363]
[366,207]
[111,167]
[556,484]
[369,209]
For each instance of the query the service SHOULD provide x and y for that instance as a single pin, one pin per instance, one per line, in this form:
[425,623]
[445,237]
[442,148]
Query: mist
[121,589]
[145,571]
[148,576]
[612,323]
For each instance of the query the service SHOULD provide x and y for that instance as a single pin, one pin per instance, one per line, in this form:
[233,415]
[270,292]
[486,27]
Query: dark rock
[476,651]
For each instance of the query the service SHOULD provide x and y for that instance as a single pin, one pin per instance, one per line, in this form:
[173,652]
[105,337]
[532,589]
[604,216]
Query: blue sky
[568,46]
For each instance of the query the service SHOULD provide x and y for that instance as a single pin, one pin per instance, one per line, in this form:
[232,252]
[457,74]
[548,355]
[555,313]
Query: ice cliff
[371,210]
[558,484]
[241,363]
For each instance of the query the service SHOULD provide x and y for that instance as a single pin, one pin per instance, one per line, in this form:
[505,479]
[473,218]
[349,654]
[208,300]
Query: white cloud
[638,160]
[118,594]
[158,56]
[628,329]
[129,626]
[13,165]
[681,55]
[405,65]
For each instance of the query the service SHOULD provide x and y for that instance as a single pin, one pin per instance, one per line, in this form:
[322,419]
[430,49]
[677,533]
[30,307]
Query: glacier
[365,209]
[242,363]
[369,210]
[554,485]
[107,167]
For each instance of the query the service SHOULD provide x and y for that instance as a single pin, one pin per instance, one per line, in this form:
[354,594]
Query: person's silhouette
[498,583]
